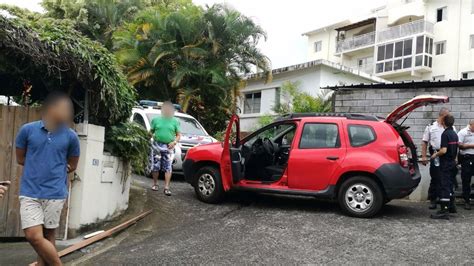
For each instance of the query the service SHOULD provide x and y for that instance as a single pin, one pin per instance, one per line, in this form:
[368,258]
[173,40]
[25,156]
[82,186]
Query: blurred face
[471,126]
[167,110]
[61,111]
[442,115]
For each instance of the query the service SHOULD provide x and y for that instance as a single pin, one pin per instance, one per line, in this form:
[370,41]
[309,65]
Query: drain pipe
[459,40]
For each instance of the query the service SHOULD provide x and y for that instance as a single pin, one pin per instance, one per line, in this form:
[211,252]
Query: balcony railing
[356,42]
[404,30]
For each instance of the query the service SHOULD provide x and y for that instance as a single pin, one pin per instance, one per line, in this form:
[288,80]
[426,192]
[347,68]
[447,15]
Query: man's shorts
[161,157]
[40,211]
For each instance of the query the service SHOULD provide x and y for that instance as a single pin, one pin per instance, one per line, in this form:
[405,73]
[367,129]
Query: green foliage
[191,55]
[50,54]
[296,101]
[99,19]
[131,142]
[264,120]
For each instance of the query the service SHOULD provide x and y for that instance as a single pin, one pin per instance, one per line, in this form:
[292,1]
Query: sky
[283,20]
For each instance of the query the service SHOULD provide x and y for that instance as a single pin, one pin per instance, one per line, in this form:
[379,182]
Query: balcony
[355,42]
[405,30]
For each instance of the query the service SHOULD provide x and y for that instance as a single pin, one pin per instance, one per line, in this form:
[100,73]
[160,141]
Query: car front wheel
[360,197]
[208,185]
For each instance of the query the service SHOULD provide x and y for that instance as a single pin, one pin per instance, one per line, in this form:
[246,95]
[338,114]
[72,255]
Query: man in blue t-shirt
[49,150]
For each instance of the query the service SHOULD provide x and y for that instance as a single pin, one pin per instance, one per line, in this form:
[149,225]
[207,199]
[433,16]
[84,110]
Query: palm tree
[195,56]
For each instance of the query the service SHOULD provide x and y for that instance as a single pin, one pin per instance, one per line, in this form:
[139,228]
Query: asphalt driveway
[269,229]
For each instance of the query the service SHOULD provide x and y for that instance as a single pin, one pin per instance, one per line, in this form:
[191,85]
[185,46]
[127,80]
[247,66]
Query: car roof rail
[346,115]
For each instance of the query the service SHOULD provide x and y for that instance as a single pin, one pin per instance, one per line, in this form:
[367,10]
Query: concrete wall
[383,101]
[101,190]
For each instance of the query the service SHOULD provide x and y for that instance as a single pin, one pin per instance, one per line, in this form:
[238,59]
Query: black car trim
[397,180]
[329,192]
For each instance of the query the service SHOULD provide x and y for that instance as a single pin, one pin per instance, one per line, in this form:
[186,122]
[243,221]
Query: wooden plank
[13,216]
[100,236]
[34,114]
[6,120]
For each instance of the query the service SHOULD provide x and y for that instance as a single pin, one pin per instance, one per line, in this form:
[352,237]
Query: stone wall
[382,101]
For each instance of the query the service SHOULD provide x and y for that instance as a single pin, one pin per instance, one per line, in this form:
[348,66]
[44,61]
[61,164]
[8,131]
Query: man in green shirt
[166,134]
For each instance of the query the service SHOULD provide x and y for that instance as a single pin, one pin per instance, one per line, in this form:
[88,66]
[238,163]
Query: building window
[467,75]
[441,14]
[252,103]
[277,103]
[471,40]
[319,136]
[318,46]
[399,55]
[440,48]
[440,77]
[419,44]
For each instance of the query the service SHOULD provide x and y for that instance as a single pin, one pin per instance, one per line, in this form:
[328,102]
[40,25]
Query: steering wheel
[269,147]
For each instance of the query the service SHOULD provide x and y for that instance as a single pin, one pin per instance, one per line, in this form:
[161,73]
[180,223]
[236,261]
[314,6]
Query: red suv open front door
[231,165]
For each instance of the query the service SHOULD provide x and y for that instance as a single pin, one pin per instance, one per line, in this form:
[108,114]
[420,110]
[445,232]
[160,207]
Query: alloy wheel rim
[206,184]
[359,197]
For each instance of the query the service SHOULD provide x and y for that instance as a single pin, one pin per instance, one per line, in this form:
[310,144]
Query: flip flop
[154,188]
[167,192]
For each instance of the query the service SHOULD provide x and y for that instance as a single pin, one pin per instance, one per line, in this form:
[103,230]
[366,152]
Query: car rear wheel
[208,185]
[361,197]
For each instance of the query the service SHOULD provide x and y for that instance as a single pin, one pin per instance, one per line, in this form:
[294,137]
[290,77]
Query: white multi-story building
[403,40]
[259,98]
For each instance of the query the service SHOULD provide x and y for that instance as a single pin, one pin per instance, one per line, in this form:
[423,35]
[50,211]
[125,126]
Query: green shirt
[165,129]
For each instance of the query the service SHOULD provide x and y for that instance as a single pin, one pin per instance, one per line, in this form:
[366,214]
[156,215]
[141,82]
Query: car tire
[360,197]
[208,185]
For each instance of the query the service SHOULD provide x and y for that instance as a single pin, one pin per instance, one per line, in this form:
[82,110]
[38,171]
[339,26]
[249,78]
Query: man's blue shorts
[161,158]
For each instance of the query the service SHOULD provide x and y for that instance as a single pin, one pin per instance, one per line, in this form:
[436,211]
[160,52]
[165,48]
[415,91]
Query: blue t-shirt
[45,170]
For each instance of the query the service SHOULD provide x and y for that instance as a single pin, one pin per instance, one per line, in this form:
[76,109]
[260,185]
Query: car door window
[138,118]
[361,135]
[279,133]
[319,136]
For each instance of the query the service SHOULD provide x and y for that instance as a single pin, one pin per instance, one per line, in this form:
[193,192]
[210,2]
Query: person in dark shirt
[447,158]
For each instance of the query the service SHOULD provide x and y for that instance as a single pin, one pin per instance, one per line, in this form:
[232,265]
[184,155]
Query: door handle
[332,158]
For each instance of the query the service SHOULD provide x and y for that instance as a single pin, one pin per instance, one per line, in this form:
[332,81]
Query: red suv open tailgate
[416,102]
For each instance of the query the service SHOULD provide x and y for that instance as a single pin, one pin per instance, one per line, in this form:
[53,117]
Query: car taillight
[403,154]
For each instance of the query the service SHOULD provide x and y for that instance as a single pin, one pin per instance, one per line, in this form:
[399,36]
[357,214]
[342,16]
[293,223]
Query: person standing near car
[166,134]
[432,141]
[447,155]
[49,150]
[466,146]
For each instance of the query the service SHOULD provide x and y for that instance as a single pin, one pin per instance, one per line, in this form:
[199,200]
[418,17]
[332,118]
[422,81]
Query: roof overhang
[357,24]
[321,62]
[422,84]
[327,28]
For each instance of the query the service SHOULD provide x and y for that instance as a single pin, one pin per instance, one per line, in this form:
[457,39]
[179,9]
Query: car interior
[265,153]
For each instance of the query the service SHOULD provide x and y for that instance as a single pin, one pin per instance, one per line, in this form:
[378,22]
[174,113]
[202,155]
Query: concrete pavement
[270,229]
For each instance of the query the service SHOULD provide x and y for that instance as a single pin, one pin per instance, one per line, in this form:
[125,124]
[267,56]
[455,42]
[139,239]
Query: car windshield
[188,125]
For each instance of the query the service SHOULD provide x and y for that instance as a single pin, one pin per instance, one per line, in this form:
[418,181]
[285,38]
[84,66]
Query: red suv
[362,161]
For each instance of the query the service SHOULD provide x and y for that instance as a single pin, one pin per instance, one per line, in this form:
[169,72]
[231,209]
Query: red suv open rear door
[413,104]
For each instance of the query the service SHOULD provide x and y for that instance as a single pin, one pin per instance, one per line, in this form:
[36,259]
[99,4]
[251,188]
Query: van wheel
[208,185]
[360,197]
